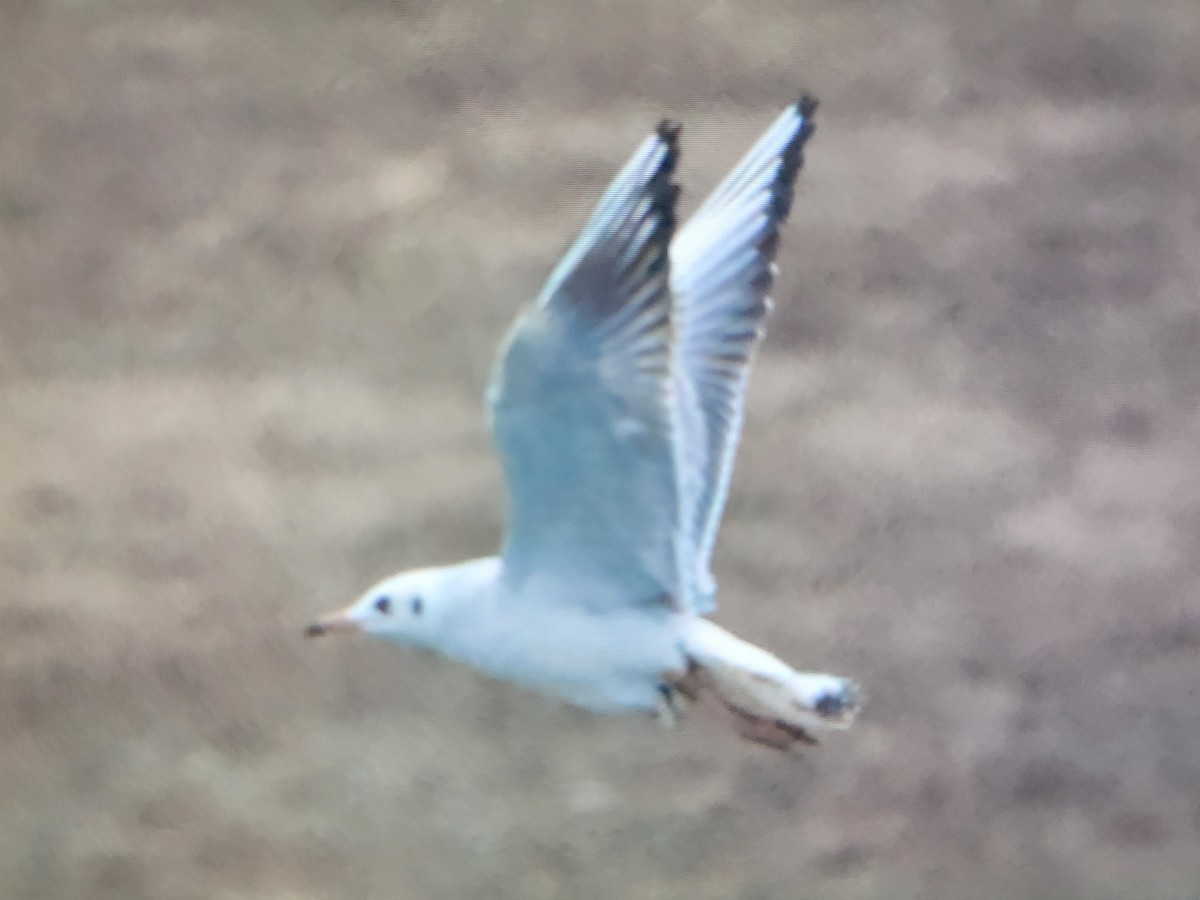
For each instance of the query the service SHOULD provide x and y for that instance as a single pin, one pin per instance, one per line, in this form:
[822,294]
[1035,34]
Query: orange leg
[769,732]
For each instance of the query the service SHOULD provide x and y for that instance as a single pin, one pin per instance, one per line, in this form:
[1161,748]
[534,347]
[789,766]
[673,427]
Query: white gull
[616,405]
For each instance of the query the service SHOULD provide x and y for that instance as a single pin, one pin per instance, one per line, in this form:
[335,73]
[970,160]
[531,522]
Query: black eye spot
[384,605]
[418,606]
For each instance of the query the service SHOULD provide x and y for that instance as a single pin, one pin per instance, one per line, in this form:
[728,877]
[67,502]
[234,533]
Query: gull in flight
[616,405]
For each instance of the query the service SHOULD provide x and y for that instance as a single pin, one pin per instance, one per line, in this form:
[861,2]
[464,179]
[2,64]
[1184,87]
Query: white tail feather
[761,687]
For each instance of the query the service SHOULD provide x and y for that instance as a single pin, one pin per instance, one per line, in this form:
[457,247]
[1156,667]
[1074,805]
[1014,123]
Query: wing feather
[617,399]
[581,400]
[722,268]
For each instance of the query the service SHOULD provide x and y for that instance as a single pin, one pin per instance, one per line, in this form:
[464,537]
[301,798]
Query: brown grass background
[254,258]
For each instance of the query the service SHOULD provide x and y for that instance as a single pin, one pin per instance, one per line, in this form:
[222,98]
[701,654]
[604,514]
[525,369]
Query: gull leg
[773,733]
[663,708]
[672,703]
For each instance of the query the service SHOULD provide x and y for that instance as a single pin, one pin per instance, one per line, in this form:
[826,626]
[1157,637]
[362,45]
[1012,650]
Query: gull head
[404,608]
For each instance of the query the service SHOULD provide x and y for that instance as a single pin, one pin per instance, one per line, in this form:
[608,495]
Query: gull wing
[722,268]
[582,403]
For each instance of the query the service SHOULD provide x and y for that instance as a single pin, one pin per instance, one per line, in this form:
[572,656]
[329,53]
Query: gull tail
[771,702]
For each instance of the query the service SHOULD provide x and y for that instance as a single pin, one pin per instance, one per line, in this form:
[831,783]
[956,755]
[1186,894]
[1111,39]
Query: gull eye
[384,605]
[418,606]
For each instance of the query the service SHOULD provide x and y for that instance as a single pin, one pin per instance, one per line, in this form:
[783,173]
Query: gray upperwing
[581,398]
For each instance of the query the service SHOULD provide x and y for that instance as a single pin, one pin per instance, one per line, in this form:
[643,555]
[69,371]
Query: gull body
[610,662]
[616,405]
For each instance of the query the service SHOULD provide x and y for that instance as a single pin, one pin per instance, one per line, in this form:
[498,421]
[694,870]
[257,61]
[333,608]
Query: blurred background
[254,260]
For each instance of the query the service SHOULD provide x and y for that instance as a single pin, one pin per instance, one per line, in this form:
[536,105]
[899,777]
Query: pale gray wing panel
[722,268]
[581,401]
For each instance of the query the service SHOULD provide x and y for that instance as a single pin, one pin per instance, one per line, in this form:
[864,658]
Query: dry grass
[253,261]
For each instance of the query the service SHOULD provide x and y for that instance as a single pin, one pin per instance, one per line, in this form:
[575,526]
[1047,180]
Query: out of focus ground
[253,262]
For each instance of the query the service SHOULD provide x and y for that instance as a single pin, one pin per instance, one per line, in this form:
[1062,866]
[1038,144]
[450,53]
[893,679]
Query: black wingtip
[668,131]
[791,161]
[664,191]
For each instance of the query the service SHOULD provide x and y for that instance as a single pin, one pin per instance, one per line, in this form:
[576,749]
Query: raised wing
[722,267]
[582,403]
